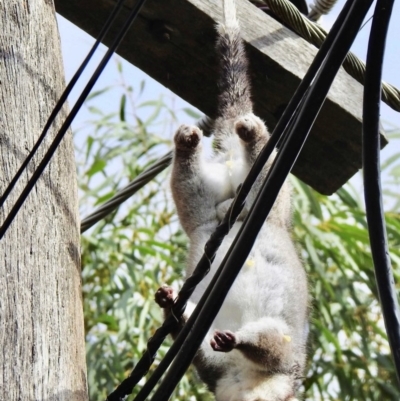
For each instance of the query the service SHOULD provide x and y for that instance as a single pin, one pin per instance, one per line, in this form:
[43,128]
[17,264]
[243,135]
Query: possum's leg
[266,343]
[194,200]
[209,371]
[253,133]
[254,136]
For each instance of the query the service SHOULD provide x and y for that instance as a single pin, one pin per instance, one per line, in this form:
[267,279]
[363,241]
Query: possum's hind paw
[165,297]
[223,341]
[187,137]
[250,128]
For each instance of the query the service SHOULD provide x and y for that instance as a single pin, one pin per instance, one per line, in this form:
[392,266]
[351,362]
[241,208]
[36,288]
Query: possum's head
[278,387]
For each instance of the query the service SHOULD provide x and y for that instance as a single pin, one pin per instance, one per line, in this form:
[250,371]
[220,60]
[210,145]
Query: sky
[76,44]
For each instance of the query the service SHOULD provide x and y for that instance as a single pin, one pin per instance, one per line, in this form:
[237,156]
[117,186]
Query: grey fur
[261,351]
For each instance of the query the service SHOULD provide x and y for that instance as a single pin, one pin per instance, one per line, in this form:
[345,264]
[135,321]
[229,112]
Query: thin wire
[285,159]
[31,183]
[372,182]
[142,179]
[366,22]
[61,101]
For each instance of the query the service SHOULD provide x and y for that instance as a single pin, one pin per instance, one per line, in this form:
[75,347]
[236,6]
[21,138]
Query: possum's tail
[234,86]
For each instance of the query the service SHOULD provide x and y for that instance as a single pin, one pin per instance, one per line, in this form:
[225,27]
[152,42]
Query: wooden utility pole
[42,354]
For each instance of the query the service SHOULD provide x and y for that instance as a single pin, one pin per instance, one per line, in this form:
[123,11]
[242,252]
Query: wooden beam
[173,42]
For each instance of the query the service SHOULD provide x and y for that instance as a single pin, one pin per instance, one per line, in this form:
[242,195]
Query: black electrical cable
[283,163]
[71,116]
[121,196]
[212,245]
[283,122]
[203,267]
[62,100]
[372,182]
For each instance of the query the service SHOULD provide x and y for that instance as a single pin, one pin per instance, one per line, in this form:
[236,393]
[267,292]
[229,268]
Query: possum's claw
[187,137]
[223,341]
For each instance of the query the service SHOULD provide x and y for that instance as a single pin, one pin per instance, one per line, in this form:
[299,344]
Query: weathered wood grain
[42,347]
[173,41]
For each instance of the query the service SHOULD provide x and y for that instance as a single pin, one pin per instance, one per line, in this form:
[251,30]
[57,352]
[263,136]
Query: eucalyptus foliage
[128,255]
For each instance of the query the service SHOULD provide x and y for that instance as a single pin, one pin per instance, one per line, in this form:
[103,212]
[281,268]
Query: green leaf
[98,93]
[90,141]
[119,66]
[97,166]
[142,85]
[191,113]
[122,108]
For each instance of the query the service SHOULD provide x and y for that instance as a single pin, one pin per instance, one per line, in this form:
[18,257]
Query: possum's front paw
[223,341]
[250,128]
[187,137]
[165,297]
